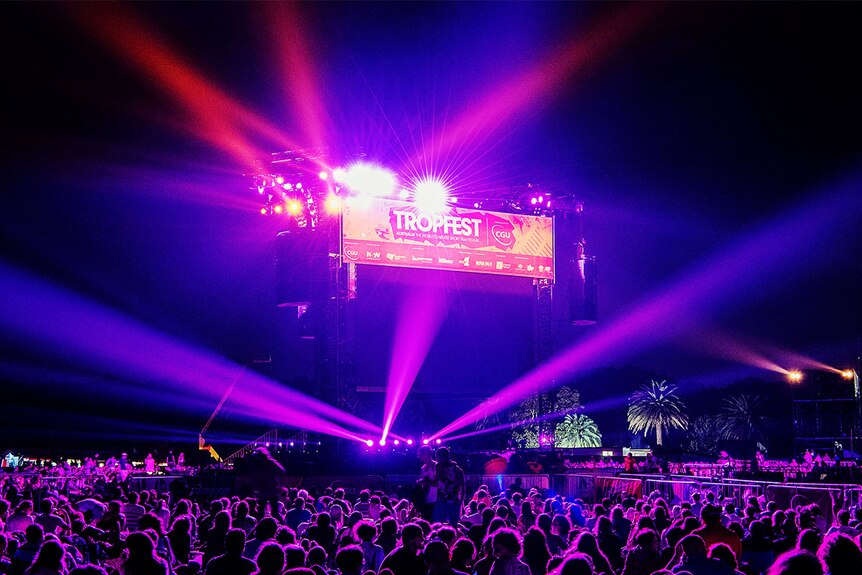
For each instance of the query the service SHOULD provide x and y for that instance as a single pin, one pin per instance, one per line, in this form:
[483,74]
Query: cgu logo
[502,236]
[352,253]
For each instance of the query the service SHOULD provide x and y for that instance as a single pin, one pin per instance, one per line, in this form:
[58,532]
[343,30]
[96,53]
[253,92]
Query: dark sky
[700,124]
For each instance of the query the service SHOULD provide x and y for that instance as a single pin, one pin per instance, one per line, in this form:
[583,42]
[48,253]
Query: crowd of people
[437,528]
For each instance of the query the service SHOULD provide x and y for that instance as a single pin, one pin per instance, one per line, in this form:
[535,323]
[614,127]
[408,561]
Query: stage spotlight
[369,442]
[279,180]
[382,442]
[794,376]
[291,444]
[294,207]
[424,442]
[847,374]
[263,211]
[409,442]
[396,442]
[333,204]
[339,175]
[287,187]
[278,208]
[369,180]
[323,176]
[431,195]
[280,444]
[267,443]
[439,441]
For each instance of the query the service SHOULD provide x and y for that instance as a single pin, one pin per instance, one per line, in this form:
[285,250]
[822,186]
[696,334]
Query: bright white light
[369,442]
[431,195]
[409,442]
[333,204]
[368,180]
[339,175]
[396,442]
[323,175]
[404,193]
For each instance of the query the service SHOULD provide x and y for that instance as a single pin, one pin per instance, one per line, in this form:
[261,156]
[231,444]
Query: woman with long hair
[586,543]
[527,518]
[49,560]
[536,554]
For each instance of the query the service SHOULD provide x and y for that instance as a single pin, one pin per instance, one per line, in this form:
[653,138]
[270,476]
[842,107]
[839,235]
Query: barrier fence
[591,488]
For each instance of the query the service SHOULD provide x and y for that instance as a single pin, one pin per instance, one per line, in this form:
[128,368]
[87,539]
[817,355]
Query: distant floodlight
[534,200]
[424,442]
[294,207]
[333,204]
[279,180]
[369,180]
[279,444]
[382,442]
[438,441]
[287,187]
[263,211]
[396,442]
[323,175]
[848,374]
[267,443]
[431,195]
[794,376]
[298,185]
[409,442]
[369,443]
[339,175]
[278,208]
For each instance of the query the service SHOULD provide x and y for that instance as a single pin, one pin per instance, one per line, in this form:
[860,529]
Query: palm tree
[744,416]
[656,407]
[577,430]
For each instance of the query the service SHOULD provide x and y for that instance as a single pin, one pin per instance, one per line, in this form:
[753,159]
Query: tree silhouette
[704,434]
[549,408]
[656,407]
[744,416]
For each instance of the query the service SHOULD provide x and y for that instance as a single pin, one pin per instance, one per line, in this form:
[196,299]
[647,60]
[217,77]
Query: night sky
[684,128]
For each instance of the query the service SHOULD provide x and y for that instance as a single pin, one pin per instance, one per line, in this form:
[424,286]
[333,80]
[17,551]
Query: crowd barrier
[589,487]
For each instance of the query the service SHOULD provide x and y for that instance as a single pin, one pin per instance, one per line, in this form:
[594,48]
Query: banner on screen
[395,233]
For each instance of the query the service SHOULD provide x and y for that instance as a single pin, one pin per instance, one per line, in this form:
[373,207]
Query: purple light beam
[735,274]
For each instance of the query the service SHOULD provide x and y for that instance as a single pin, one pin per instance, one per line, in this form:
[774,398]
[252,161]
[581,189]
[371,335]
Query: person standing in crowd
[265,475]
[451,487]
[150,464]
[425,491]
